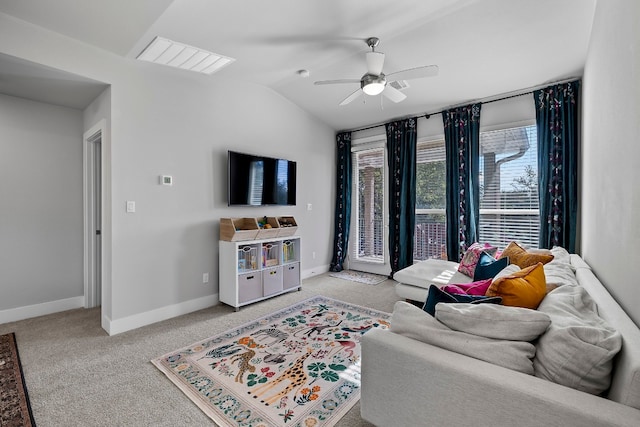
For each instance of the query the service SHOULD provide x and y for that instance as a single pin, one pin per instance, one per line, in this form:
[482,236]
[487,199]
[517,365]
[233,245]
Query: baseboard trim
[305,274]
[135,321]
[35,310]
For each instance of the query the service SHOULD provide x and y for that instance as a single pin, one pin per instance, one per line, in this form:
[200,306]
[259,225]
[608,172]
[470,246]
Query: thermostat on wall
[166,180]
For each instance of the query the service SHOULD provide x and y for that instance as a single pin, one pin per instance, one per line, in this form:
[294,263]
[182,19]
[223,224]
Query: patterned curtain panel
[342,217]
[462,143]
[401,154]
[557,123]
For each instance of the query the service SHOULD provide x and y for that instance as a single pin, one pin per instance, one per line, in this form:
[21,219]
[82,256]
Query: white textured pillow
[412,322]
[560,271]
[494,321]
[560,254]
[508,270]
[578,348]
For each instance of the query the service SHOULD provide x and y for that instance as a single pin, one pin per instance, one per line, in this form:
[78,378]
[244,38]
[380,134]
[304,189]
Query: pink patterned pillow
[470,258]
[474,288]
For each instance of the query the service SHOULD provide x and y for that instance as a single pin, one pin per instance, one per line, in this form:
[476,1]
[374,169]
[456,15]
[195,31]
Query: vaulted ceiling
[483,48]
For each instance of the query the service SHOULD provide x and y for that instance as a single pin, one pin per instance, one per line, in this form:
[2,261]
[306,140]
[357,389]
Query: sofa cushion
[559,270]
[437,295]
[431,271]
[578,348]
[560,254]
[494,321]
[524,288]
[488,267]
[472,255]
[474,288]
[410,321]
[521,257]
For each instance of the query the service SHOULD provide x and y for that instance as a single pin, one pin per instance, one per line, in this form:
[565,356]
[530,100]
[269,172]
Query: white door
[369,235]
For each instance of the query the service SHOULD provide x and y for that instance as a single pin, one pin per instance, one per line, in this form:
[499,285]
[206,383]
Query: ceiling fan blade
[333,82]
[375,61]
[393,94]
[351,97]
[414,73]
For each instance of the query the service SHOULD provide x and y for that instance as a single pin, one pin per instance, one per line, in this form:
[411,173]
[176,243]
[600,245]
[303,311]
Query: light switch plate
[166,180]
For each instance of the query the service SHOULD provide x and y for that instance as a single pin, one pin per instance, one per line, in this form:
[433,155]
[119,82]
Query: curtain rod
[490,99]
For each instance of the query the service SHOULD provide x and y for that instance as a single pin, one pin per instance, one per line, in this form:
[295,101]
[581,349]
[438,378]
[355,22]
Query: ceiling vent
[167,52]
[399,84]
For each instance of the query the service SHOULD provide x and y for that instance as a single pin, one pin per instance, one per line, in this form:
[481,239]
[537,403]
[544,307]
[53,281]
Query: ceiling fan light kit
[374,81]
[373,85]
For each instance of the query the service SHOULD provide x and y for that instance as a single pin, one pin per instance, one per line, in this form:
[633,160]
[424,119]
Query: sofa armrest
[407,383]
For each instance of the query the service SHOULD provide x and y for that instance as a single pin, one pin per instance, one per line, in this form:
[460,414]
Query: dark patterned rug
[15,410]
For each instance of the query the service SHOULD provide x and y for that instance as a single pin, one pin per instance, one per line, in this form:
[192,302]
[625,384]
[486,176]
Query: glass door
[369,236]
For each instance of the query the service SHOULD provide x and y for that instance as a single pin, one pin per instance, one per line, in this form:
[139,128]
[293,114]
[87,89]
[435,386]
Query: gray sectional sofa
[408,382]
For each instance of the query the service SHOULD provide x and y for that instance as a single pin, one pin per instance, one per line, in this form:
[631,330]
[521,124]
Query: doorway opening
[369,236]
[92,148]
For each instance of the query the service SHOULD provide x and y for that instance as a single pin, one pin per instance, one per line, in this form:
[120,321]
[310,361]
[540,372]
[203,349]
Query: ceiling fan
[374,81]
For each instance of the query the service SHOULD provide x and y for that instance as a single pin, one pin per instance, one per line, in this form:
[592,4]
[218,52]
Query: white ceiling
[483,48]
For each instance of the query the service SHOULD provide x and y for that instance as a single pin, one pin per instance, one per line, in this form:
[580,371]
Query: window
[430,230]
[509,187]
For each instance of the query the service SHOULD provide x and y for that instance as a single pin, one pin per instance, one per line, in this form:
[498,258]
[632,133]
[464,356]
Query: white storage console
[253,270]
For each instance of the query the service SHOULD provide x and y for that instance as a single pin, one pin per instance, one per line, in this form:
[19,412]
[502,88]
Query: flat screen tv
[259,180]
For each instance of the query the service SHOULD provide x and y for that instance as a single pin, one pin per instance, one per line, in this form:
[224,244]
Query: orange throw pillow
[522,258]
[525,288]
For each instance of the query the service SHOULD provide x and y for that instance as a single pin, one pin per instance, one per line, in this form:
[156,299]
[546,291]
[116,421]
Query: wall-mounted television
[258,180]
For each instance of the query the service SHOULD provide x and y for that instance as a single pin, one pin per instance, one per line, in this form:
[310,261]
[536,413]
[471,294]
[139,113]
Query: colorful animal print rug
[299,366]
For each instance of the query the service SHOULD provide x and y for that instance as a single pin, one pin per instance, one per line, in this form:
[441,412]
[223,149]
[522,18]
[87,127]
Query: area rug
[299,366]
[359,276]
[15,409]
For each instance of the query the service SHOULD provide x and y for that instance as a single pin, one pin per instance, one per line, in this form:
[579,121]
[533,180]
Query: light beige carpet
[80,376]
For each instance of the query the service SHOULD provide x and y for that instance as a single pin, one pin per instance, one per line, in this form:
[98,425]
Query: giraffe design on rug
[244,363]
[296,376]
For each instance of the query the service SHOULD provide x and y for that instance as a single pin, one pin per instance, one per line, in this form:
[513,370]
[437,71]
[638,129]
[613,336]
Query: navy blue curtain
[401,155]
[342,216]
[462,144]
[557,123]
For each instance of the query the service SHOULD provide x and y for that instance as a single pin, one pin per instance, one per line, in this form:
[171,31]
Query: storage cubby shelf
[254,270]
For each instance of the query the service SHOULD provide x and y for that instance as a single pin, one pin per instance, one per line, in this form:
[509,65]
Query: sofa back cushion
[494,321]
[412,322]
[625,381]
[578,348]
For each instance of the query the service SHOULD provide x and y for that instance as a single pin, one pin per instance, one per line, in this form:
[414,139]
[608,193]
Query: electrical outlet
[313,255]
[205,278]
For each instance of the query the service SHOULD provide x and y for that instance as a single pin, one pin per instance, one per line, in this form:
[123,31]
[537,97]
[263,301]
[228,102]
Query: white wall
[611,149]
[166,121]
[511,112]
[41,207]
